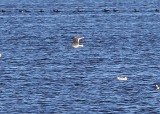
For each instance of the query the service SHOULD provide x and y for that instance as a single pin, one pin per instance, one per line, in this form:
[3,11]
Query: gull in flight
[76,40]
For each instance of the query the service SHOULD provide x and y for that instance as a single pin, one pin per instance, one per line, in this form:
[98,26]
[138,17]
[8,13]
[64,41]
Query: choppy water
[41,73]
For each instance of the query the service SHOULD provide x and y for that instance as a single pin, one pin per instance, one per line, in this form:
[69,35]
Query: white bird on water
[122,78]
[75,43]
[157,86]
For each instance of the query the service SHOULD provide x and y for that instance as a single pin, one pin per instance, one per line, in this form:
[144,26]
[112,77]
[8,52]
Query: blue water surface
[40,73]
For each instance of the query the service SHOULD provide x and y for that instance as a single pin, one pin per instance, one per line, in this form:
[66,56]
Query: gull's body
[76,40]
[122,78]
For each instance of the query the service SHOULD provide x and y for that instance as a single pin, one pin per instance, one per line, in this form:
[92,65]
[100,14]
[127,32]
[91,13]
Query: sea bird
[106,10]
[135,10]
[156,10]
[122,78]
[115,10]
[3,11]
[75,43]
[56,11]
[157,85]
[41,10]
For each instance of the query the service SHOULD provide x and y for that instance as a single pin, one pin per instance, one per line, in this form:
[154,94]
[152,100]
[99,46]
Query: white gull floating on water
[122,78]
[75,43]
[157,85]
